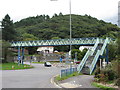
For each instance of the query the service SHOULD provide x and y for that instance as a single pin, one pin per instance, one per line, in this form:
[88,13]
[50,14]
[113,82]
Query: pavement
[81,81]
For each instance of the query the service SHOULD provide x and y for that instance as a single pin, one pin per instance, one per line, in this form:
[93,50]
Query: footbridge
[90,59]
[57,42]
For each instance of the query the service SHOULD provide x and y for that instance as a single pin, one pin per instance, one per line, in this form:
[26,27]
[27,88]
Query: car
[77,62]
[47,64]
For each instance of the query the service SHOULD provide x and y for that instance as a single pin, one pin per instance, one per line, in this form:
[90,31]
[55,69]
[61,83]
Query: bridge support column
[107,54]
[19,55]
[100,64]
[22,55]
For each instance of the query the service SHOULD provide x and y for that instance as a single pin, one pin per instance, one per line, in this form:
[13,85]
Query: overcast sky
[106,10]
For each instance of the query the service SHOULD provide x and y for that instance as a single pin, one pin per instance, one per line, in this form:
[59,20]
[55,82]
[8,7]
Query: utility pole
[70,34]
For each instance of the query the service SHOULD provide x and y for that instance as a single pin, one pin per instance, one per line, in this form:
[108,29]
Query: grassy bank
[58,78]
[102,86]
[14,66]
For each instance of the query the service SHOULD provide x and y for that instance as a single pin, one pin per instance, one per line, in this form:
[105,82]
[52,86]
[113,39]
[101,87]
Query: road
[38,77]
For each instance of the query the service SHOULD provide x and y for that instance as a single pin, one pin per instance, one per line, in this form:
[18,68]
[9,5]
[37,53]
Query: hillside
[44,27]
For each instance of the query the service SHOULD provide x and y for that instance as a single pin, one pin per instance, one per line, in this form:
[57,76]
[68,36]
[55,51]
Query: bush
[117,82]
[103,78]
[97,72]
[109,73]
[106,74]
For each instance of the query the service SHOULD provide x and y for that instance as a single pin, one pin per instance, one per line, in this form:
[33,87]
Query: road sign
[19,57]
[60,59]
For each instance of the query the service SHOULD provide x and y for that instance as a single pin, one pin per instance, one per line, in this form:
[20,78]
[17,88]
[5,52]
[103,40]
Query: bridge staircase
[90,59]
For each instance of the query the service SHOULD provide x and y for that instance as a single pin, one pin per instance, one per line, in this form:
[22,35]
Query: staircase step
[85,70]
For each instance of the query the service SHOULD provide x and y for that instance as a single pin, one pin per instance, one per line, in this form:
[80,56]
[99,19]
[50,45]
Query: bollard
[12,66]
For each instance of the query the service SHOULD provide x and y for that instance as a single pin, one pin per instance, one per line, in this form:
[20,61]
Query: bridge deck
[57,42]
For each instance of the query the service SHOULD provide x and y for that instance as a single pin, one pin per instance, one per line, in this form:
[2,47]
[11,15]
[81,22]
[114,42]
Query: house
[46,49]
[83,47]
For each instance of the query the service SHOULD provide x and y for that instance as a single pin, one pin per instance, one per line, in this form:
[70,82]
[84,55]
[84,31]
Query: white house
[83,47]
[46,49]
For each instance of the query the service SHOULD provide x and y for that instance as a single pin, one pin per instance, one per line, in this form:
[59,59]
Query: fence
[67,72]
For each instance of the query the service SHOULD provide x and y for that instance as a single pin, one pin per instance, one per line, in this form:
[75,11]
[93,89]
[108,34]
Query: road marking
[52,81]
[69,85]
[80,85]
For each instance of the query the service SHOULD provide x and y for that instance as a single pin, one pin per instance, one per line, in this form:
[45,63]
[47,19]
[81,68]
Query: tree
[5,51]
[79,56]
[55,38]
[47,17]
[55,15]
[84,52]
[30,37]
[8,31]
[60,14]
[112,52]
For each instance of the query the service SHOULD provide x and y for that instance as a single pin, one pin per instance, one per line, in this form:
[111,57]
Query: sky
[106,10]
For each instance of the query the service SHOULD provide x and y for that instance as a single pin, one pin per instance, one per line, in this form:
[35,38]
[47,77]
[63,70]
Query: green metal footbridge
[90,59]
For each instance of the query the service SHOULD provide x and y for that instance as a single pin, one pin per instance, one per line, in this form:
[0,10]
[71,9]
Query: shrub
[103,78]
[97,72]
[117,82]
[109,73]
[105,75]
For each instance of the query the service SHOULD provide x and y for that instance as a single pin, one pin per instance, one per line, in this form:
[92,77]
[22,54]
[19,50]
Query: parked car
[47,64]
[77,62]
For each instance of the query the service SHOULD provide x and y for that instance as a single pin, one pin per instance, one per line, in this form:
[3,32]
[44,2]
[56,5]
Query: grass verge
[38,62]
[14,66]
[58,78]
[102,87]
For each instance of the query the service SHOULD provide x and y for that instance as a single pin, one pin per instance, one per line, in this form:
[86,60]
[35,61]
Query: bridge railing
[104,46]
[95,46]
[90,52]
[82,63]
[92,66]
[99,52]
[74,41]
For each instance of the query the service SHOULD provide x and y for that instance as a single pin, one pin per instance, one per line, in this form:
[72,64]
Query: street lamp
[69,27]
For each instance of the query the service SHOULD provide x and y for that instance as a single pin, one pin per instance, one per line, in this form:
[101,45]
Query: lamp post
[69,27]
[70,34]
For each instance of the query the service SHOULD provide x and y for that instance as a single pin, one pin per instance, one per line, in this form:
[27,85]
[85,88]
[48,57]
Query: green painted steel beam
[57,42]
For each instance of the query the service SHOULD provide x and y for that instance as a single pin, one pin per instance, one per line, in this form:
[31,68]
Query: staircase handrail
[104,45]
[99,52]
[82,63]
[94,61]
[89,52]
[95,46]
